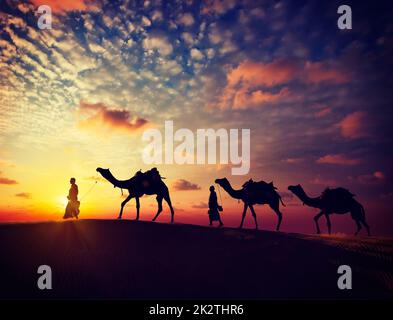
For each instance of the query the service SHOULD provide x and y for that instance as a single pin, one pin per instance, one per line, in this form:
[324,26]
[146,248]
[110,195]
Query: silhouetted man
[214,207]
[72,209]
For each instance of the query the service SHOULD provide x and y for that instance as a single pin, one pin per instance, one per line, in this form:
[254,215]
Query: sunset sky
[318,101]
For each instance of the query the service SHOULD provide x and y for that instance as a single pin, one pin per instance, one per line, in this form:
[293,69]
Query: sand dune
[128,259]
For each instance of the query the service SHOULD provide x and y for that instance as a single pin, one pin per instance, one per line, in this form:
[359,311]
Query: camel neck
[123,184]
[312,202]
[237,194]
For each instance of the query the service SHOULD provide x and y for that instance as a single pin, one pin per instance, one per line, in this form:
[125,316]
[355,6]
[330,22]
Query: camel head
[297,189]
[222,182]
[104,172]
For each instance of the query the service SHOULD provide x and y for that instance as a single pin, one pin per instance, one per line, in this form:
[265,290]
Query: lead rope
[90,190]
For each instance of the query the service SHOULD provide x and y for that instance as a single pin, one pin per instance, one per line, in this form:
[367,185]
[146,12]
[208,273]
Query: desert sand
[144,260]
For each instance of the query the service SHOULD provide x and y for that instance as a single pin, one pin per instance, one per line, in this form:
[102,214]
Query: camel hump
[272,185]
[337,193]
[152,175]
[267,185]
[149,176]
[138,173]
[250,185]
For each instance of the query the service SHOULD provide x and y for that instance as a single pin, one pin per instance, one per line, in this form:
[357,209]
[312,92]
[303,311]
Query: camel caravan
[331,201]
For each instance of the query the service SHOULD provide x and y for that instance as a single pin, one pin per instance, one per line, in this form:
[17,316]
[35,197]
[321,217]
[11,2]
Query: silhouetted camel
[254,193]
[339,201]
[140,184]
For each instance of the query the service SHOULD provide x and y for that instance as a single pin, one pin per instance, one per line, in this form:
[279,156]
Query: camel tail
[281,201]
[363,211]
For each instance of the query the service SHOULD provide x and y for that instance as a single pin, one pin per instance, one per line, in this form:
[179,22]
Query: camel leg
[316,218]
[279,215]
[168,200]
[275,207]
[123,204]
[159,202]
[137,208]
[366,226]
[329,224]
[255,217]
[359,227]
[244,214]
[363,220]
[358,215]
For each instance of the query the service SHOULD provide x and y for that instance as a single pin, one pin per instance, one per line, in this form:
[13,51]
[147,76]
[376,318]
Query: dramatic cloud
[186,19]
[145,21]
[187,37]
[247,83]
[200,205]
[182,184]
[157,16]
[251,73]
[338,159]
[159,43]
[370,179]
[323,113]
[318,72]
[99,116]
[293,160]
[24,195]
[63,6]
[23,7]
[6,181]
[215,36]
[6,164]
[323,181]
[218,6]
[196,54]
[355,125]
[242,83]
[244,100]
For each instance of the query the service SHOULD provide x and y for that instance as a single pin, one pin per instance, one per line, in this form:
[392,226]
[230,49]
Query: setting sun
[62,201]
